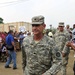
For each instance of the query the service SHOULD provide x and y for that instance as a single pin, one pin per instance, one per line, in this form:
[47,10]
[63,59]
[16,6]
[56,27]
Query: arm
[54,69]
[57,61]
[71,44]
[23,57]
[13,45]
[66,49]
[12,42]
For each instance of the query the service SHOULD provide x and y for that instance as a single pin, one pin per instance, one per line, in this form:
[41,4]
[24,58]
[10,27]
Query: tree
[1,20]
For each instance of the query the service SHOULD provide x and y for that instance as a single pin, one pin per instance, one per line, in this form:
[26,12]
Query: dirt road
[10,71]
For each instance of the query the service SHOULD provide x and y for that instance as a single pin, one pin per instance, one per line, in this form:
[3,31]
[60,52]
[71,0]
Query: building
[16,26]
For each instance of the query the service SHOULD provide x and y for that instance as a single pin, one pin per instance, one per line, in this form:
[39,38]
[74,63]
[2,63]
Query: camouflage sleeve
[23,57]
[56,66]
[66,49]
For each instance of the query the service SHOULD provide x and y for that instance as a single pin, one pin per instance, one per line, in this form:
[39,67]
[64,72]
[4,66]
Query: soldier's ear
[44,25]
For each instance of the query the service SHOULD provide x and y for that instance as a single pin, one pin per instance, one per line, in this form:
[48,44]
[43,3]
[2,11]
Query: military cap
[67,25]
[61,23]
[38,20]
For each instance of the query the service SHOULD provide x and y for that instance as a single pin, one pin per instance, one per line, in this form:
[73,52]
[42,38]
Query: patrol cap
[61,23]
[38,20]
[67,25]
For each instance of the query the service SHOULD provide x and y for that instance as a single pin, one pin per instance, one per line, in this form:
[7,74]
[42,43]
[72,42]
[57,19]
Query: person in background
[61,37]
[10,45]
[25,34]
[73,32]
[73,39]
[4,53]
[71,44]
[50,34]
[69,30]
[21,37]
[29,34]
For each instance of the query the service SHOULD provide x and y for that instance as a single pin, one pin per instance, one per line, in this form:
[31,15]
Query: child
[4,54]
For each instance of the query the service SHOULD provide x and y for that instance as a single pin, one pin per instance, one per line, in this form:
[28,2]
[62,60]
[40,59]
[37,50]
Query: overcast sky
[54,11]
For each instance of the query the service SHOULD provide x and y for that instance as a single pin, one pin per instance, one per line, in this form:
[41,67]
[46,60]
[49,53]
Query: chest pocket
[39,49]
[61,38]
[44,54]
[28,49]
[43,49]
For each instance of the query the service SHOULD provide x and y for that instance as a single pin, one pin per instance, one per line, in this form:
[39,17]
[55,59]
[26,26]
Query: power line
[8,2]
[12,2]
[4,4]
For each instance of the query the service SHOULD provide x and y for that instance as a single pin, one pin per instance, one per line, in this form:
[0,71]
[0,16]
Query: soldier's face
[67,27]
[61,28]
[38,29]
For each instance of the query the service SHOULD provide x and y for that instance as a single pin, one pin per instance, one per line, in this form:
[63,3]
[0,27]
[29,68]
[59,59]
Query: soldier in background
[61,38]
[38,50]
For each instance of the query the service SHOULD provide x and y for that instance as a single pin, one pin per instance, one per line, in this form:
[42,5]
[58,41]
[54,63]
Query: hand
[63,54]
[15,48]
[6,51]
[68,44]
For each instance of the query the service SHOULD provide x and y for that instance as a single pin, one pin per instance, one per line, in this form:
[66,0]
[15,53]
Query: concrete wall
[16,26]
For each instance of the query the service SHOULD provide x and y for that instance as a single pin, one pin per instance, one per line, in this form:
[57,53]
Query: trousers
[11,57]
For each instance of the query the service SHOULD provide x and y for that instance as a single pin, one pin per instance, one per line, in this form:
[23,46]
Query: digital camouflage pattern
[61,39]
[37,57]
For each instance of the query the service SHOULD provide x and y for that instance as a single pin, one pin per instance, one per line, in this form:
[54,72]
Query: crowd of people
[18,38]
[42,54]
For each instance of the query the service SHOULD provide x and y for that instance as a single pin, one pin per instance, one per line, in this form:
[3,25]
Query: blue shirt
[9,39]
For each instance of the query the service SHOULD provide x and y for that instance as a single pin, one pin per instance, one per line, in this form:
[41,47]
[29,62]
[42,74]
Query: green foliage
[1,20]
[71,28]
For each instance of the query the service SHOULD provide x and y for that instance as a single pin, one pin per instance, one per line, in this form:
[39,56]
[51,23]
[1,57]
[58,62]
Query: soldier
[61,38]
[38,51]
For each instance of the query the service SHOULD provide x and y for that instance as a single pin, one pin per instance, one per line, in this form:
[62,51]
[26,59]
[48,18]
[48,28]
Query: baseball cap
[61,23]
[38,20]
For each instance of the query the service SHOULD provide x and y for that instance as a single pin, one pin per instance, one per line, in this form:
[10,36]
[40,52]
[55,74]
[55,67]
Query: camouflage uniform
[61,38]
[37,57]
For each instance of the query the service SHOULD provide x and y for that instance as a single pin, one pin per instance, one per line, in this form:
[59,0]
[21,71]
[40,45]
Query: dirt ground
[4,71]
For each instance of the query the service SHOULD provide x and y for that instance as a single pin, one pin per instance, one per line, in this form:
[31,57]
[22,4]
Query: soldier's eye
[35,25]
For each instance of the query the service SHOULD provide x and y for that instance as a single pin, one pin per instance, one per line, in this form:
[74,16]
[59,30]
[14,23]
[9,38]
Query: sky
[54,11]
